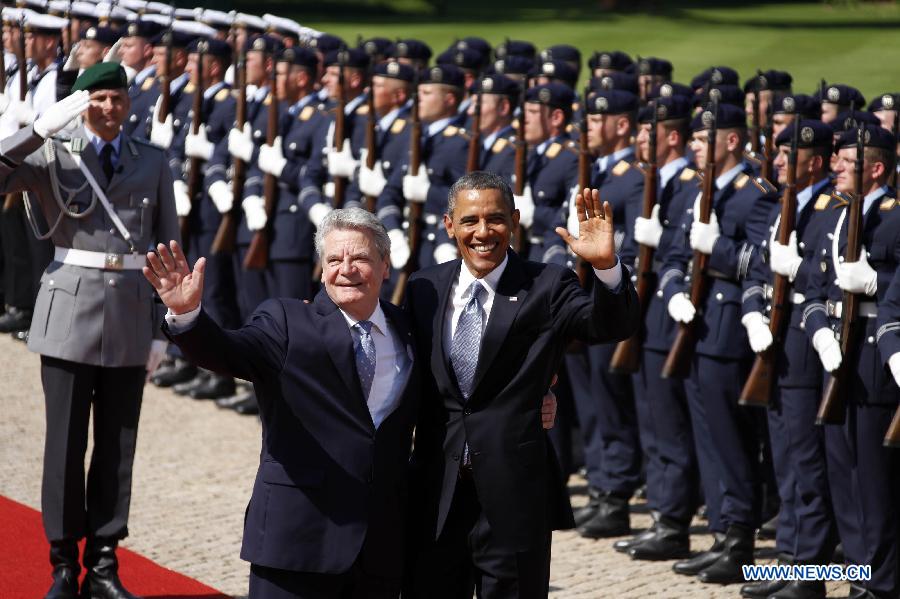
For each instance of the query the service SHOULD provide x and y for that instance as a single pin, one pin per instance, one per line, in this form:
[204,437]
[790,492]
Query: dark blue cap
[842,95]
[375,46]
[105,35]
[410,48]
[665,90]
[145,29]
[813,134]
[446,74]
[515,48]
[262,43]
[715,76]
[512,65]
[668,108]
[611,101]
[559,70]
[806,106]
[874,136]
[180,39]
[395,70]
[326,43]
[478,44]
[851,119]
[348,57]
[729,117]
[464,59]
[725,94]
[561,52]
[302,57]
[613,61]
[497,84]
[616,80]
[213,47]
[654,66]
[556,95]
[885,102]
[779,81]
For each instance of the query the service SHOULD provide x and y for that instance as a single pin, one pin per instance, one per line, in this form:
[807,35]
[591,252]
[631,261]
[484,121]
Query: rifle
[521,161]
[415,208]
[755,126]
[195,164]
[892,437]
[258,252]
[896,131]
[70,29]
[584,180]
[227,232]
[626,358]
[165,78]
[371,146]
[832,409]
[678,362]
[759,385]
[340,131]
[12,199]
[474,161]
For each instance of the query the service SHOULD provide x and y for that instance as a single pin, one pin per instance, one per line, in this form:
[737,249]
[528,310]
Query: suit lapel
[440,361]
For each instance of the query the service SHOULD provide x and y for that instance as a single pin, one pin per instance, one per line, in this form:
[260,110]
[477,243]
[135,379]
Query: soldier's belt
[796,298]
[717,274]
[866,309]
[536,240]
[102,260]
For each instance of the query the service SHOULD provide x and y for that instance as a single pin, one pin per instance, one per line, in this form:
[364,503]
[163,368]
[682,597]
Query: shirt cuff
[611,277]
[181,323]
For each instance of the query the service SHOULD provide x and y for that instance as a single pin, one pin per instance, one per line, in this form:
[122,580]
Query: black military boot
[737,551]
[102,579]
[610,520]
[15,319]
[693,566]
[214,387]
[179,371]
[64,559]
[801,589]
[586,512]
[624,545]
[198,381]
[671,540]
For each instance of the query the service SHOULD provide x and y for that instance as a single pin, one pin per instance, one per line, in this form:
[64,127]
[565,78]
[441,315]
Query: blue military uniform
[143,93]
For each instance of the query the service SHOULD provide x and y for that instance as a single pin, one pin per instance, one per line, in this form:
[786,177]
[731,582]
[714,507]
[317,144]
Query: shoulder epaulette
[147,84]
[450,130]
[501,143]
[839,201]
[764,185]
[222,94]
[887,204]
[751,157]
[687,174]
[189,88]
[362,109]
[741,181]
[621,168]
[822,201]
[398,126]
[267,101]
[553,150]
[569,128]
[307,113]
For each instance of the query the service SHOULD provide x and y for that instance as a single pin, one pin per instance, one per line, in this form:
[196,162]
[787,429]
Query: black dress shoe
[737,551]
[64,558]
[102,578]
[186,387]
[670,541]
[247,406]
[801,589]
[180,372]
[230,401]
[214,387]
[15,319]
[623,545]
[693,566]
[588,511]
[762,589]
[611,519]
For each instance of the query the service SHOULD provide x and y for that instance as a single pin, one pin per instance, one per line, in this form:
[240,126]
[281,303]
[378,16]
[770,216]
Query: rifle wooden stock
[371,146]
[892,437]
[340,134]
[473,162]
[415,208]
[195,164]
[165,83]
[521,170]
[583,269]
[768,149]
[226,234]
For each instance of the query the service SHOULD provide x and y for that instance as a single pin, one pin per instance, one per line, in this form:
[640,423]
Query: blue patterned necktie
[467,340]
[365,356]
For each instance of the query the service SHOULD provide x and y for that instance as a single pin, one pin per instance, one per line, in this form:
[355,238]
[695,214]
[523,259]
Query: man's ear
[448,224]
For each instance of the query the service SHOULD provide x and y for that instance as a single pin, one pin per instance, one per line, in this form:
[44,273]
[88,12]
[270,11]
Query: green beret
[103,75]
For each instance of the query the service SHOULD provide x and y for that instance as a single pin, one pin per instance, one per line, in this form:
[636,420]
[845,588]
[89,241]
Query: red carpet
[26,569]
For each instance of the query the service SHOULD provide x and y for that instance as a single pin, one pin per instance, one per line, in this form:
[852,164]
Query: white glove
[894,364]
[157,354]
[4,102]
[525,205]
[198,146]
[399,248]
[162,133]
[415,187]
[828,348]
[572,223]
[240,143]
[221,195]
[271,158]
[704,235]
[785,260]
[60,114]
[681,309]
[112,55]
[328,189]
[21,113]
[648,231]
[342,163]
[71,63]
[445,253]
[857,277]
[130,73]
[371,181]
[255,211]
[182,199]
[318,212]
[757,331]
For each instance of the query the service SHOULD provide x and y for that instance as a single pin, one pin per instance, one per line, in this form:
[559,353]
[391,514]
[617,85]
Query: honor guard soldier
[109,198]
[498,100]
[786,108]
[669,89]
[805,530]
[135,53]
[604,63]
[377,48]
[652,72]
[516,68]
[885,107]
[94,45]
[621,81]
[415,53]
[713,76]
[478,44]
[838,98]
[520,48]
[727,443]
[444,150]
[661,404]
[564,52]
[861,471]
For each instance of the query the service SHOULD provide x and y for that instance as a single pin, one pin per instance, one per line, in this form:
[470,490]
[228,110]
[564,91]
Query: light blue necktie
[467,340]
[365,356]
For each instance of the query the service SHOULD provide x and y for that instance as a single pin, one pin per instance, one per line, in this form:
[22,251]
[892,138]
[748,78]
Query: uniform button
[431,171]
[802,326]
[659,293]
[133,118]
[468,411]
[257,134]
[386,164]
[430,237]
[112,231]
[802,246]
[293,146]
[112,282]
[666,222]
[293,208]
[871,340]
[840,258]
[51,282]
[719,296]
[541,193]
[177,122]
[146,201]
[830,235]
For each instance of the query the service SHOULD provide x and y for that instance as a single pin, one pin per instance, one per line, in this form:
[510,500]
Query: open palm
[178,287]
[595,242]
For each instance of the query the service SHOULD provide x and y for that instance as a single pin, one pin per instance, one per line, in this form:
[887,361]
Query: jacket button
[467,411]
[719,296]
[455,457]
[51,282]
[871,340]
[293,208]
[112,282]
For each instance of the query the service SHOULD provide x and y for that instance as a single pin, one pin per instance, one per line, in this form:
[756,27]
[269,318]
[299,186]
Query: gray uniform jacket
[89,315]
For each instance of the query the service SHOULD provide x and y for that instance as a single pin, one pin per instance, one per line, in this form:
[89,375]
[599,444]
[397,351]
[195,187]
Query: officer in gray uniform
[107,199]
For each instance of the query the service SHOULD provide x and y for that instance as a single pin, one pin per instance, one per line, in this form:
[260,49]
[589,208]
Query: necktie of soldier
[467,340]
[106,161]
[365,356]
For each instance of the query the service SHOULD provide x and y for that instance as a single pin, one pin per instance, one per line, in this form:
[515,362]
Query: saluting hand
[595,242]
[169,273]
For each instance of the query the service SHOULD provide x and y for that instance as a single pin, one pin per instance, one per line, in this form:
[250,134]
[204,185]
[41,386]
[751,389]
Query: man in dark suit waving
[493,328]
[336,385]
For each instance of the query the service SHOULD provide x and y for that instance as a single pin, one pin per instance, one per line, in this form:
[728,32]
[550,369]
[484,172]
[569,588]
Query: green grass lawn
[850,43]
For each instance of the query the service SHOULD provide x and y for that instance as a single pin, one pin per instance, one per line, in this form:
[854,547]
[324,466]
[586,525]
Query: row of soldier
[694,190]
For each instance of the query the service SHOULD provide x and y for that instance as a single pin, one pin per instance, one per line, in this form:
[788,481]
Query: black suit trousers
[71,389]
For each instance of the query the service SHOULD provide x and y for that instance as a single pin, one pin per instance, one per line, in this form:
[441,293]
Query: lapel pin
[513,299]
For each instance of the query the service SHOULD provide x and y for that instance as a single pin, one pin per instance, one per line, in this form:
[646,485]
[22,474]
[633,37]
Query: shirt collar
[488,142]
[604,162]
[874,196]
[179,82]
[439,125]
[729,175]
[212,91]
[301,103]
[385,122]
[807,193]
[670,169]
[146,72]
[542,147]
[350,106]
[378,319]
[98,142]
[260,93]
[490,280]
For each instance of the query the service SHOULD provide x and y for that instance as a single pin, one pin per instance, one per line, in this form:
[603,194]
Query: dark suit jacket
[515,470]
[327,480]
